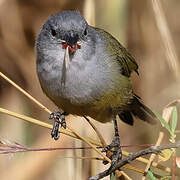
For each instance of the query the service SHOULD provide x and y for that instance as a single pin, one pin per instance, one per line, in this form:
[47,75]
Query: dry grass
[155,47]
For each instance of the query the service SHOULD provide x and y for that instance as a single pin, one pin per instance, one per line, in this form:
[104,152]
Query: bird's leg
[57,123]
[117,153]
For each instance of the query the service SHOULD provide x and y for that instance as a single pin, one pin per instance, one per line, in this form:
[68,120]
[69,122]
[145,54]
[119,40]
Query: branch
[133,156]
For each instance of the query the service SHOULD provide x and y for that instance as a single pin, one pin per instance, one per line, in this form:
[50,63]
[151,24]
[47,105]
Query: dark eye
[53,32]
[85,32]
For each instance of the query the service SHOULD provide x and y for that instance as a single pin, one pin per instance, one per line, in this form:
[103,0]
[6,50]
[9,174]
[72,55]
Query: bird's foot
[57,116]
[115,148]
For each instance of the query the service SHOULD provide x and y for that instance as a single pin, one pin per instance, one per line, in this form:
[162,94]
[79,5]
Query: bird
[85,71]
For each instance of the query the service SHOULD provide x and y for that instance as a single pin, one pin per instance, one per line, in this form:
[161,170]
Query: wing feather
[125,59]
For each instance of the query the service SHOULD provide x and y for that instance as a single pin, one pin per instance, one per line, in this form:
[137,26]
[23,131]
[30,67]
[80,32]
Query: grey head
[67,26]
[68,30]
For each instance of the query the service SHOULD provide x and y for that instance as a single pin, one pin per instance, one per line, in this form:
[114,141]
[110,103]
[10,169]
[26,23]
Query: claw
[55,132]
[116,157]
[52,115]
[107,148]
[63,121]
[116,152]
[57,124]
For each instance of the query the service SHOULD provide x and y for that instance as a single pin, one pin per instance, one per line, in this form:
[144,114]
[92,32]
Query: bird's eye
[85,32]
[53,32]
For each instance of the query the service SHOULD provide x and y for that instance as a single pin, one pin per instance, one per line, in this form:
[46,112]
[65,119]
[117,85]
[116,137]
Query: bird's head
[67,28]
[66,32]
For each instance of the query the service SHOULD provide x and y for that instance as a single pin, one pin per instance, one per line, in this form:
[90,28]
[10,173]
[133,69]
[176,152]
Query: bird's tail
[138,109]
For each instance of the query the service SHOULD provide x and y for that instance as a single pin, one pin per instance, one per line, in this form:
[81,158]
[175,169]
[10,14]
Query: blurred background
[133,23]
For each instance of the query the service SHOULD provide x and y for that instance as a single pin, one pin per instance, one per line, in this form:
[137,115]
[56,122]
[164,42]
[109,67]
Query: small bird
[85,71]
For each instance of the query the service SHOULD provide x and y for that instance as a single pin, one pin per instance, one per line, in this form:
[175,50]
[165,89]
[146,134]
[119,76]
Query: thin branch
[173,165]
[24,92]
[133,156]
[7,147]
[170,50]
[46,125]
[97,132]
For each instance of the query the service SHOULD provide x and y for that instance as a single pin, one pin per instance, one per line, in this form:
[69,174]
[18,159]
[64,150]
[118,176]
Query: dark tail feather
[126,117]
[139,110]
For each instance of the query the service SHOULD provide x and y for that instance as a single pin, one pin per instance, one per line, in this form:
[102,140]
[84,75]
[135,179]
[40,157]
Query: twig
[24,92]
[124,174]
[133,156]
[166,37]
[173,166]
[89,11]
[97,132]
[130,167]
[46,125]
[7,147]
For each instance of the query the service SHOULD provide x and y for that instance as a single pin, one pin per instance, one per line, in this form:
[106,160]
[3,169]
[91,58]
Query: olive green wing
[125,59]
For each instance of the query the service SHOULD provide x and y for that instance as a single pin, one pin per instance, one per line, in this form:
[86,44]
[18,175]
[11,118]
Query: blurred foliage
[133,23]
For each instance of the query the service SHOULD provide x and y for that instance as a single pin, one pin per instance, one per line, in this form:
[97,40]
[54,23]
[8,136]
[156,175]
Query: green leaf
[164,123]
[167,155]
[151,175]
[112,176]
[174,118]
